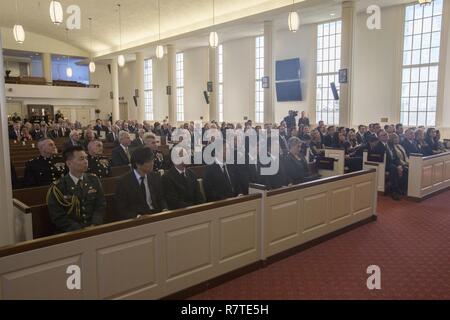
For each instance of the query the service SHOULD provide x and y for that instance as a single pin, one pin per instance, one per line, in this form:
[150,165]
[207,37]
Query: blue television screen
[288,69]
[289,91]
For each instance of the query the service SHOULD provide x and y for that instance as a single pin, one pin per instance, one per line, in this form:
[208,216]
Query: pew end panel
[300,214]
[428,175]
[146,258]
[380,168]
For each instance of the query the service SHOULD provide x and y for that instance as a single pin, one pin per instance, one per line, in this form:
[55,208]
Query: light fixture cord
[214,12]
[159,20]
[90,33]
[17,12]
[67,33]
[120,28]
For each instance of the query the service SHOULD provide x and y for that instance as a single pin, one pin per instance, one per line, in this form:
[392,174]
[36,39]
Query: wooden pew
[151,257]
[374,161]
[335,168]
[428,175]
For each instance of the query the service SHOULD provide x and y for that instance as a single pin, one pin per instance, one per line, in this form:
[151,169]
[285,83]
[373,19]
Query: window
[220,95]
[148,89]
[328,65]
[180,86]
[259,91]
[421,49]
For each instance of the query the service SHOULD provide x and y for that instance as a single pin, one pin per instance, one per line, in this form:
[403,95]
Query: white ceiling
[186,22]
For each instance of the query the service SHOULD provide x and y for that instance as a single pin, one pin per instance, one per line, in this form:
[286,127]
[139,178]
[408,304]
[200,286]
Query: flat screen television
[287,80]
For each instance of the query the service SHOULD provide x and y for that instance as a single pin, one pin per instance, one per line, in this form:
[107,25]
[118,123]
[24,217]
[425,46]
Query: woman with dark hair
[440,144]
[429,138]
[424,148]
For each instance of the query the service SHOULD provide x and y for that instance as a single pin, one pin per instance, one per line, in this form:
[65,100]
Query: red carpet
[410,242]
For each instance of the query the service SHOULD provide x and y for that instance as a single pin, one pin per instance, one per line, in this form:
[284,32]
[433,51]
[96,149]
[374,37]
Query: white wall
[239,80]
[102,77]
[160,81]
[39,43]
[127,85]
[196,76]
[301,45]
[377,68]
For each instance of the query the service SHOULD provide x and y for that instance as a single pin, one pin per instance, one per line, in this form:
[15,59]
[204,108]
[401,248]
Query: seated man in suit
[113,135]
[329,139]
[121,154]
[139,192]
[46,168]
[409,142]
[150,142]
[53,133]
[139,141]
[76,201]
[221,181]
[397,176]
[98,164]
[74,140]
[14,132]
[180,186]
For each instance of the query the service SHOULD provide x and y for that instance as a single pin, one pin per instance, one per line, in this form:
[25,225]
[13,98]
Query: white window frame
[220,82]
[421,64]
[259,74]
[180,85]
[148,89]
[328,63]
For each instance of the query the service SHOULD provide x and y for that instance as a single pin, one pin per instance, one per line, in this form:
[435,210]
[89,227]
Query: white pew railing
[428,175]
[339,163]
[380,167]
[150,257]
[296,215]
[157,256]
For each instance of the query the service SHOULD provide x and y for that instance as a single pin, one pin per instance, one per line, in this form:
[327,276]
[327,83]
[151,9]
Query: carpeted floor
[410,242]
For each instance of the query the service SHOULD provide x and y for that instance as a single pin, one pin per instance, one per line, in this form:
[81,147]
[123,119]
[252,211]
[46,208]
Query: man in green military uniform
[77,200]
[46,168]
[98,165]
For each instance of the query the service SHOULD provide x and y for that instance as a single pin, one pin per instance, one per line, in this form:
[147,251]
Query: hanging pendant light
[293,20]
[213,36]
[120,58]
[92,63]
[18,31]
[56,12]
[69,71]
[425,2]
[159,52]
[159,48]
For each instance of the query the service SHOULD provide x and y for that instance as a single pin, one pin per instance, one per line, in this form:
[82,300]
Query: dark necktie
[143,190]
[225,170]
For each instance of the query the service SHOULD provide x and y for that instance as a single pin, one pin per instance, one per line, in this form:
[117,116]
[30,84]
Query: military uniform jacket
[42,171]
[73,207]
[99,166]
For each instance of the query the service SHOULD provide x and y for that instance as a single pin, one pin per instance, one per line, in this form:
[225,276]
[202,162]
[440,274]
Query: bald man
[46,168]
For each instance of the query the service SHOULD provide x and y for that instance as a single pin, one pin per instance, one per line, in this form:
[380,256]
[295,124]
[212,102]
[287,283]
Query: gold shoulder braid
[73,204]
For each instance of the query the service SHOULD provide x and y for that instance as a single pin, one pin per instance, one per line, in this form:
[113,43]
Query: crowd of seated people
[76,199]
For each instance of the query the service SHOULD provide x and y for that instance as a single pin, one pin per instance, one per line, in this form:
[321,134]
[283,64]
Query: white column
[6,212]
[171,81]
[140,85]
[269,112]
[345,102]
[47,66]
[115,89]
[213,77]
